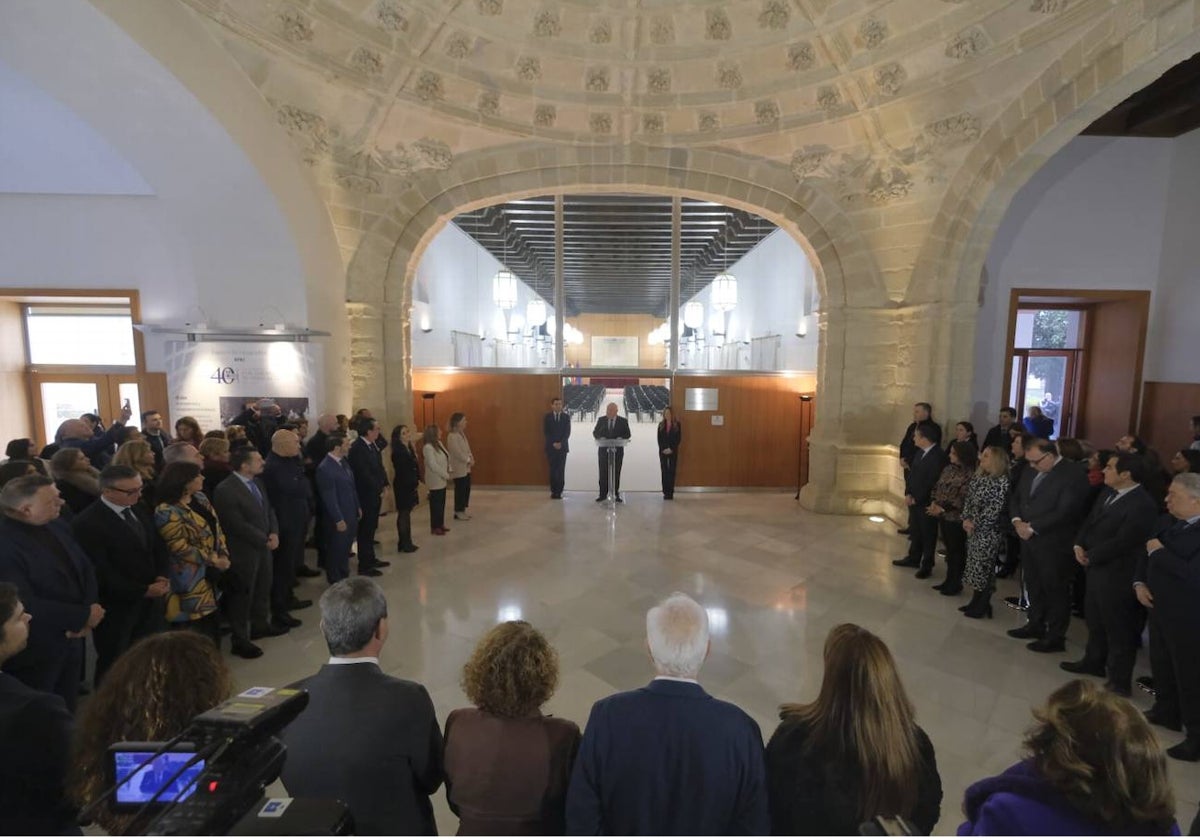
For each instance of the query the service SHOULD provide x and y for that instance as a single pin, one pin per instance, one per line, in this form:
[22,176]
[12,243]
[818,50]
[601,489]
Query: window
[80,336]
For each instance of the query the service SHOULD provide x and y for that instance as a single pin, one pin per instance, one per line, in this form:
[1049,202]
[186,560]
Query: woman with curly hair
[187,430]
[151,694]
[507,764]
[1093,766]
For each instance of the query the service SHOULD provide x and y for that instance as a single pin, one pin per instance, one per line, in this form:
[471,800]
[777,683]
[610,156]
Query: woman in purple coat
[1094,767]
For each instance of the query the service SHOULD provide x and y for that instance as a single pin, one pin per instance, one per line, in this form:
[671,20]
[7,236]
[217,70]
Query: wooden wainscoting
[1167,411]
[504,419]
[763,441]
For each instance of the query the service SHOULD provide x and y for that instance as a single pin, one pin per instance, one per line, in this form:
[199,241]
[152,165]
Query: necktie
[1108,502]
[254,491]
[132,521]
[1037,479]
[610,424]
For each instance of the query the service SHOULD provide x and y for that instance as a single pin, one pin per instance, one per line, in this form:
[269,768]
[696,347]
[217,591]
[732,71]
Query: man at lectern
[610,427]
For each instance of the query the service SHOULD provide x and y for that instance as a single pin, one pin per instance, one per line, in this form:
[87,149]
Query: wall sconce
[802,327]
[425,323]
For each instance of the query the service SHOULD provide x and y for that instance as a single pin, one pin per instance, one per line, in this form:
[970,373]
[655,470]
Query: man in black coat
[365,738]
[610,427]
[1046,513]
[922,413]
[1167,583]
[291,496]
[928,459]
[556,430]
[35,731]
[1109,545]
[131,563]
[56,582]
[315,450]
[1001,434]
[370,480]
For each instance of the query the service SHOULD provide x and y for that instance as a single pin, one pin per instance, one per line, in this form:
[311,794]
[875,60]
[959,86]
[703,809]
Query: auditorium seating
[581,400]
[644,402]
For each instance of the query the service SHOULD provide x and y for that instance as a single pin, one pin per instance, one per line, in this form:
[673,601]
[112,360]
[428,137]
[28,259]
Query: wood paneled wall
[649,355]
[504,419]
[763,439]
[1167,411]
[1113,377]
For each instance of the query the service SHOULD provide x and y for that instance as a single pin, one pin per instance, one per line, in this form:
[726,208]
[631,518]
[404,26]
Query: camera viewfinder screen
[142,787]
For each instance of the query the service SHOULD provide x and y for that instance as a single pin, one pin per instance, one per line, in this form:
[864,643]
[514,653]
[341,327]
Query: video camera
[206,779]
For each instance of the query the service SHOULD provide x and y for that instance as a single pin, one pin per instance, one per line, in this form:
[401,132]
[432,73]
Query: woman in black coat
[404,485]
[670,434]
[854,754]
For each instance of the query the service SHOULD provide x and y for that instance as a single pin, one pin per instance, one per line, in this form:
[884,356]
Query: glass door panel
[66,401]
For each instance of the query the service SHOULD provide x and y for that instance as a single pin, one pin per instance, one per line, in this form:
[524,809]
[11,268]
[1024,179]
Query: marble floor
[774,579]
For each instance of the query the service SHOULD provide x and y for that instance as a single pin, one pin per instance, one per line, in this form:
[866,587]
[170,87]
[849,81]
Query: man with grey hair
[1167,583]
[669,758]
[182,452]
[366,738]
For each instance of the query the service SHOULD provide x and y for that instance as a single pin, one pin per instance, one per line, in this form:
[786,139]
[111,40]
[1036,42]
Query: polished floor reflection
[774,579]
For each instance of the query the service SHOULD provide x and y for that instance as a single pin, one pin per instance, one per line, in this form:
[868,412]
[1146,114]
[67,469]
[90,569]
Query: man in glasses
[130,559]
[1046,512]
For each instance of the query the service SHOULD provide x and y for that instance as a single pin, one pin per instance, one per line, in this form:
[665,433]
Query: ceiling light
[504,289]
[693,314]
[724,292]
[535,312]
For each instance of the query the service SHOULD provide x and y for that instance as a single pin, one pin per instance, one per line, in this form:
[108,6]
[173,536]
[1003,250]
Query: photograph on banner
[287,409]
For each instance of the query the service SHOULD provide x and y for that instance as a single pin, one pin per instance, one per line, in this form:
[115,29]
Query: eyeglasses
[122,490]
[1045,455]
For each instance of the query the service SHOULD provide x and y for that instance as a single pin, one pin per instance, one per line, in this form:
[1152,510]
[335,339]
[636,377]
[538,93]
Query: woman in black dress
[404,485]
[854,754]
[670,434]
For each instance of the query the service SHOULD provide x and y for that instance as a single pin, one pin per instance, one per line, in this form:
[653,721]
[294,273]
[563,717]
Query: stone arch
[1088,79]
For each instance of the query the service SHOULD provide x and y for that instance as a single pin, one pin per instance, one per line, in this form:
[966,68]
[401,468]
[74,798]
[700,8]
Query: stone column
[367,363]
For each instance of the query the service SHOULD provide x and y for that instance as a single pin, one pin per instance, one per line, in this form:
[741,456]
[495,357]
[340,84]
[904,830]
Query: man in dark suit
[1167,583]
[339,507]
[35,729]
[1046,514]
[1108,546]
[291,497]
[370,480]
[922,413]
[252,532]
[1000,434]
[131,563]
[315,451]
[56,582]
[556,429]
[928,459]
[669,758]
[365,738]
[610,427]
[152,431]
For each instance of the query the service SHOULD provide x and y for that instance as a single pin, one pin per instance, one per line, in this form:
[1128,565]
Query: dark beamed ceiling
[1167,107]
[616,248]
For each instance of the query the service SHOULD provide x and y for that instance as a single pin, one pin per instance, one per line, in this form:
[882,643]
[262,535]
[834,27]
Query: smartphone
[141,788]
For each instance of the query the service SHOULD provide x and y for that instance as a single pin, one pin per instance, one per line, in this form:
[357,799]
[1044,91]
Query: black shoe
[1025,632]
[1159,718]
[599,498]
[552,496]
[1082,667]
[299,604]
[952,590]
[1046,646]
[267,632]
[382,564]
[285,620]
[371,573]
[307,571]
[981,610]
[1119,690]
[907,563]
[409,549]
[1146,684]
[905,531]
[923,574]
[1186,750]
[620,498]
[940,586]
[246,650]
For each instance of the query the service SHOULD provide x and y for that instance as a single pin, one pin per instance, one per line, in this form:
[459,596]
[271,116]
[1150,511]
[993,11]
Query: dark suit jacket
[58,593]
[620,429]
[509,775]
[1115,535]
[559,432]
[246,521]
[289,490]
[1056,510]
[997,436]
[335,485]
[366,463]
[816,792]
[35,729]
[670,438]
[371,741]
[668,759]
[923,473]
[408,476]
[125,565]
[1173,572]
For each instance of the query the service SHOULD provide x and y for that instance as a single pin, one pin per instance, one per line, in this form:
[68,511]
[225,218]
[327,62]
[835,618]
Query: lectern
[612,446]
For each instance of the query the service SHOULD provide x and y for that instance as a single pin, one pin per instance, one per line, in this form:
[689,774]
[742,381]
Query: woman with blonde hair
[138,455]
[508,764]
[984,521]
[461,463]
[437,476]
[854,754]
[151,693]
[1092,767]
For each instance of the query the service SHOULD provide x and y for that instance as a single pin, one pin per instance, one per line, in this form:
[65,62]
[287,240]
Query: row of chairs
[581,400]
[646,401]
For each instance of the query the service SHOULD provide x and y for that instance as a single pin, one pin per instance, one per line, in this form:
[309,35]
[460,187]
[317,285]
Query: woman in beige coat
[461,461]
[437,473]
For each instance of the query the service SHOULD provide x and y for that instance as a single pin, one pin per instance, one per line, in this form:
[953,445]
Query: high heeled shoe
[980,606]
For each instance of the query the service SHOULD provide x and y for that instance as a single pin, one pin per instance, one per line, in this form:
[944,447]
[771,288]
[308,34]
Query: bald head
[285,443]
[611,411]
[327,423]
[74,429]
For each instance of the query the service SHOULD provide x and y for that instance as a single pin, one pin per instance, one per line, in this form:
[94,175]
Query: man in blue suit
[339,506]
[669,758]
